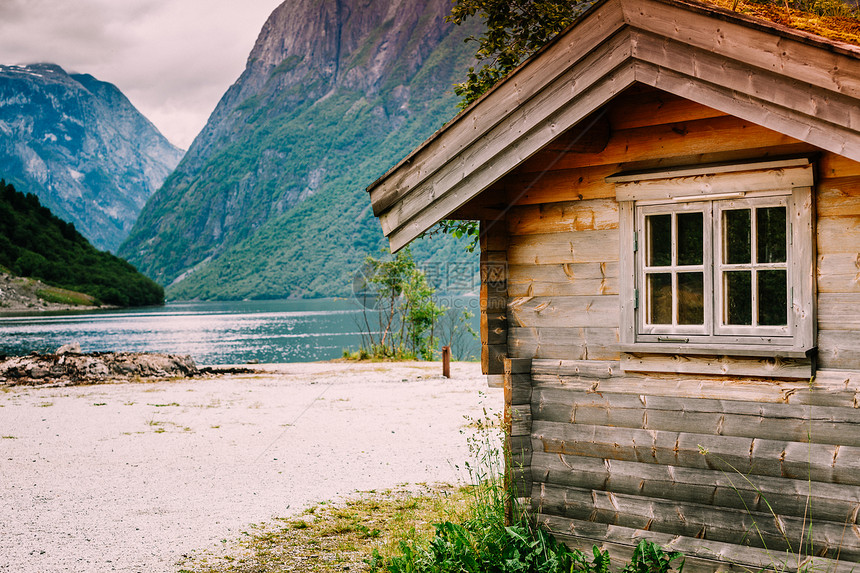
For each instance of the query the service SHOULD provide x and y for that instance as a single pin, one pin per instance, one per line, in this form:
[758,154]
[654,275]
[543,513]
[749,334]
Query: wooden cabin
[669,197]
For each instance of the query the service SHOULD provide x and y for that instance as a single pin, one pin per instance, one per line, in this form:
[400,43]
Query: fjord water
[211,332]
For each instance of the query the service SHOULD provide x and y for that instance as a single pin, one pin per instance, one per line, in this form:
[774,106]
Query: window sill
[745,361]
[761,351]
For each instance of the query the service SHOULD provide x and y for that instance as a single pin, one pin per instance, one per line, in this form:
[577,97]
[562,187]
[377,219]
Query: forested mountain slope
[35,243]
[269,201]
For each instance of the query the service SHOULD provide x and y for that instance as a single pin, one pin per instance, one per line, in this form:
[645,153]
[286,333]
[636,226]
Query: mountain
[81,147]
[34,243]
[269,201]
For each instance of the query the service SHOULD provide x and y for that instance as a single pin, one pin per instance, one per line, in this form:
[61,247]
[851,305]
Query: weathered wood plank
[774,89]
[838,197]
[585,368]
[577,343]
[518,366]
[793,460]
[491,358]
[829,388]
[590,215]
[643,106]
[550,186]
[830,502]
[569,279]
[833,165]
[720,134]
[521,452]
[521,389]
[521,419]
[839,349]
[561,248]
[728,525]
[820,424]
[563,311]
[765,49]
[699,557]
[839,311]
[723,365]
[837,235]
[839,272]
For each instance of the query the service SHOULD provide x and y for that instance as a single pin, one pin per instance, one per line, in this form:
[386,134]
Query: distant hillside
[81,147]
[269,201]
[34,243]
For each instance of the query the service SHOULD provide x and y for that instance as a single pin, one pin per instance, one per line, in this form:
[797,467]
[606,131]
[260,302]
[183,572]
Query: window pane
[659,229]
[738,297]
[690,238]
[770,234]
[660,298]
[772,298]
[691,298]
[736,227]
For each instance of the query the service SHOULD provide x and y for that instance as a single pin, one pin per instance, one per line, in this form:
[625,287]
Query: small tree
[406,312]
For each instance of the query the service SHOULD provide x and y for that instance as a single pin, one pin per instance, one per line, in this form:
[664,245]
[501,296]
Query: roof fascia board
[564,117]
[789,122]
[735,39]
[516,124]
[777,89]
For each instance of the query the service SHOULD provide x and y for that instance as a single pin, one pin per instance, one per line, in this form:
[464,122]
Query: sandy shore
[130,477]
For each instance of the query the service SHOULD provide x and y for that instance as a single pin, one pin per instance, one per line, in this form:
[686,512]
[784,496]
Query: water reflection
[211,332]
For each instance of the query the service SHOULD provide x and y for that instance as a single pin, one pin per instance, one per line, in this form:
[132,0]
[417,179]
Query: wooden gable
[790,82]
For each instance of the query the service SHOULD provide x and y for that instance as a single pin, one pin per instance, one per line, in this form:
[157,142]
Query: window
[718,259]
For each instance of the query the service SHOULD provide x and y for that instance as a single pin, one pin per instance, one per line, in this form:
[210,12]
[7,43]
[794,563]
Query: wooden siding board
[831,502]
[563,311]
[839,272]
[839,311]
[562,248]
[839,349]
[550,342]
[718,364]
[725,134]
[590,215]
[728,525]
[700,557]
[821,424]
[563,279]
[641,107]
[834,388]
[832,464]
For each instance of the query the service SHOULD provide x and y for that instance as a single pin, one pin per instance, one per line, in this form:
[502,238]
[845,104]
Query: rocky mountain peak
[81,147]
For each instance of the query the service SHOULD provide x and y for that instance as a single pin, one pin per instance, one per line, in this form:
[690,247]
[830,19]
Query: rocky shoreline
[70,366]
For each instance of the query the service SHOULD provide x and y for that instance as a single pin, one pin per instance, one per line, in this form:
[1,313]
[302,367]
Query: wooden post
[446,361]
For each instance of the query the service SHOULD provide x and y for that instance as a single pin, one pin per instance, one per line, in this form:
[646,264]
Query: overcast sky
[174,59]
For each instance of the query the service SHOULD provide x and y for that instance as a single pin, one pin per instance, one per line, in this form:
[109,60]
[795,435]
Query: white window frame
[714,188]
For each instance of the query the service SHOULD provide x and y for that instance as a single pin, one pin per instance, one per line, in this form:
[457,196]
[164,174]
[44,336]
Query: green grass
[64,296]
[328,538]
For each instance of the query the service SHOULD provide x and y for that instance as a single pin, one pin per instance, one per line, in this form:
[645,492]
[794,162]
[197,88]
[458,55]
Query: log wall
[716,466]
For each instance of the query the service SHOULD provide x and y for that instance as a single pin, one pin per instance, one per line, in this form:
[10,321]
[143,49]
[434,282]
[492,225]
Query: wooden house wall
[608,457]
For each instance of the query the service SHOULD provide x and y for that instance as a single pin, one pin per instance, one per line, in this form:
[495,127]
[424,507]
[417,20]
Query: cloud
[174,59]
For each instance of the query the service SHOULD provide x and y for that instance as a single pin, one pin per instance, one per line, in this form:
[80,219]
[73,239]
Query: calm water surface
[211,332]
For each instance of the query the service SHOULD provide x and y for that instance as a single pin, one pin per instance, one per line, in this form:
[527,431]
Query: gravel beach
[132,476]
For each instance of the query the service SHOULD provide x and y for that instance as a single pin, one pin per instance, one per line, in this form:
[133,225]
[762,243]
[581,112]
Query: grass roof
[831,19]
